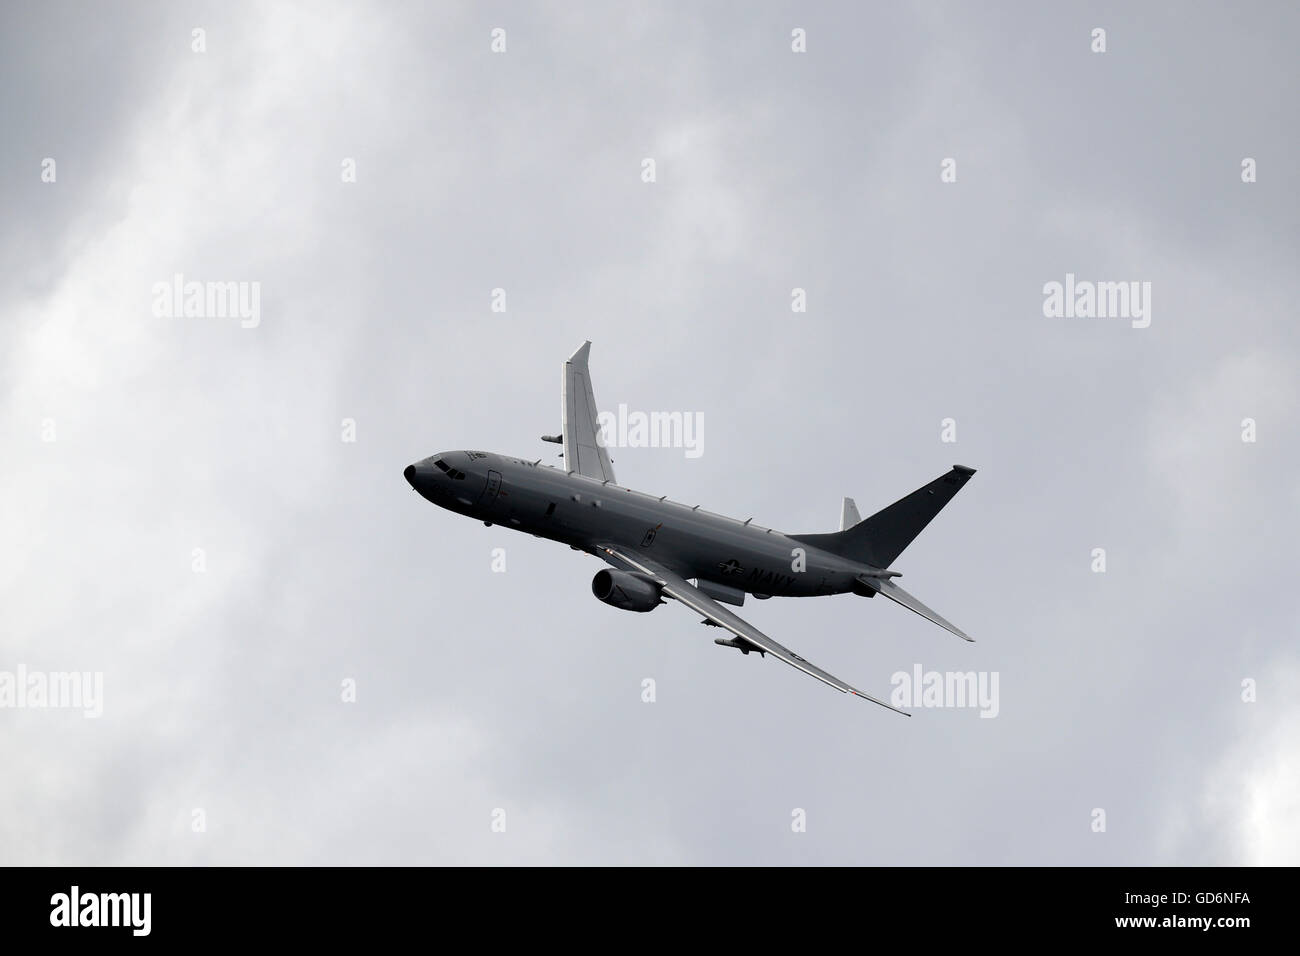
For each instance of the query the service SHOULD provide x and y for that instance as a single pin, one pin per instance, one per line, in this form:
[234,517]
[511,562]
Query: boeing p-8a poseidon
[656,547]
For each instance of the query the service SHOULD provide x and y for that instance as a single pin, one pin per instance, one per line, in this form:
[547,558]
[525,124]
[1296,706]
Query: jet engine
[629,592]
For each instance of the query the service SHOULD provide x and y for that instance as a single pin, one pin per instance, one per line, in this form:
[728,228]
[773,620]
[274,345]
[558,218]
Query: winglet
[582,355]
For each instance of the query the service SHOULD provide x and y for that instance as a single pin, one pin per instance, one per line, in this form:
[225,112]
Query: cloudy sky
[182,514]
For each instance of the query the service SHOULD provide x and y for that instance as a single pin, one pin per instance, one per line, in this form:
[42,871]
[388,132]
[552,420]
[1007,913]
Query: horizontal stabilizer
[887,588]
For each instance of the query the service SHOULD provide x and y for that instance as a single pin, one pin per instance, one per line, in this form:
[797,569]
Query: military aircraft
[656,547]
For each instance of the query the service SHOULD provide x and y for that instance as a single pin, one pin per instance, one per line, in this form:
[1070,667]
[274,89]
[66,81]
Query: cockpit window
[451,472]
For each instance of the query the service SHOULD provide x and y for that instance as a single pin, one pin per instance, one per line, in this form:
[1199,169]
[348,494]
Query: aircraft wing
[580,431]
[679,589]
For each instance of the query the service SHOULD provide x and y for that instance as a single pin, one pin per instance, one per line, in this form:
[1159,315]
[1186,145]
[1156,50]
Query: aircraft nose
[409,475]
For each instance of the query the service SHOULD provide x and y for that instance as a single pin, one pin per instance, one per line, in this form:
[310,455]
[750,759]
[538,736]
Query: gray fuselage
[585,513]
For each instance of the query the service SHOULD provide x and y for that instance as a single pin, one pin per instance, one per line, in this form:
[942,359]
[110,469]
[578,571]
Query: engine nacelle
[628,592]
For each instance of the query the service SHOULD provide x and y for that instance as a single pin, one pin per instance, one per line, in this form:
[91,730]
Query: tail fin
[880,539]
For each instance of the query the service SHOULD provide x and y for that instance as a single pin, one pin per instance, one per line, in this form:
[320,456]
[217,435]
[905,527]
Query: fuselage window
[550,509]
